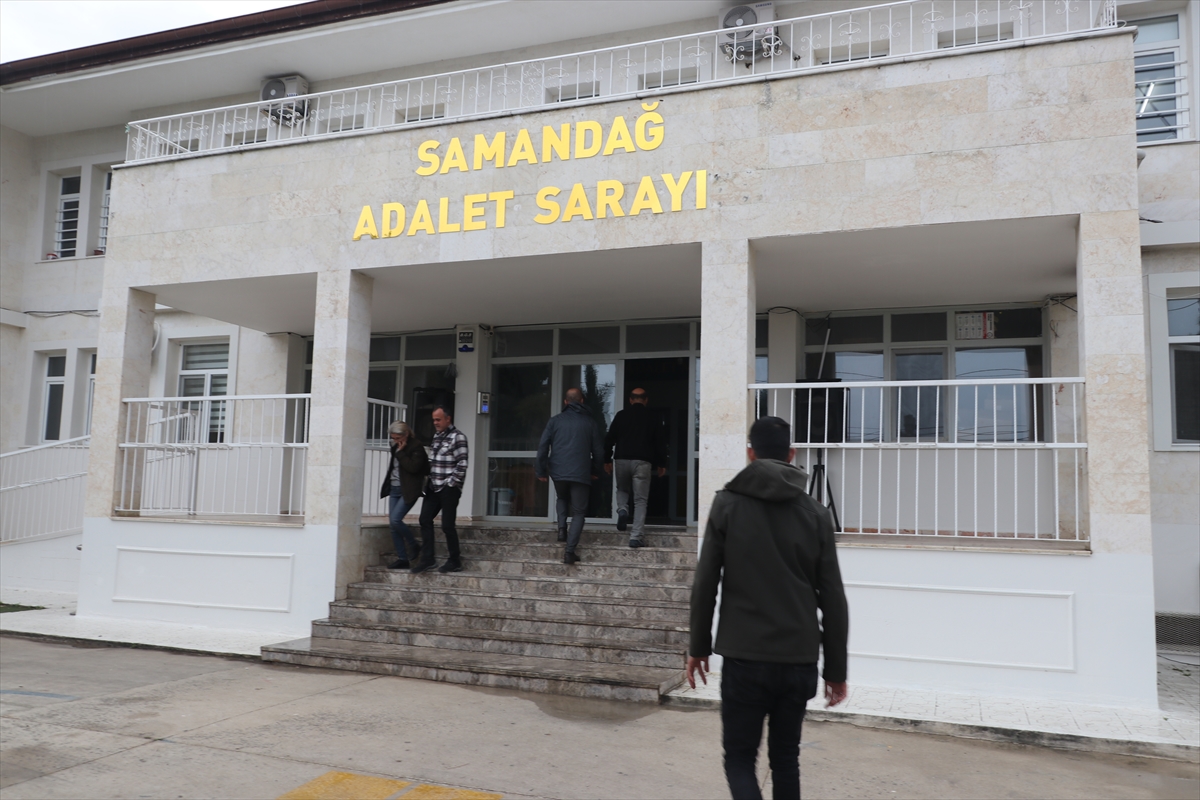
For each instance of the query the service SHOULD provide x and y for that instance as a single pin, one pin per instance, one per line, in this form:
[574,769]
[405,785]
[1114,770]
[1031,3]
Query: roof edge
[232,29]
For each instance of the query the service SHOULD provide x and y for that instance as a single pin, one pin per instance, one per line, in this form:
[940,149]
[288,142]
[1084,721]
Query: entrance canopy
[962,263]
[639,283]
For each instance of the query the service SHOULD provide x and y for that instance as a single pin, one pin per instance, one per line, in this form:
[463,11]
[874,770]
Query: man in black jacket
[570,453]
[637,438]
[776,547]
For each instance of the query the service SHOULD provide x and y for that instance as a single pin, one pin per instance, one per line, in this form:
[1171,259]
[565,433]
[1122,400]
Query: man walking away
[640,447]
[571,453]
[447,472]
[776,547]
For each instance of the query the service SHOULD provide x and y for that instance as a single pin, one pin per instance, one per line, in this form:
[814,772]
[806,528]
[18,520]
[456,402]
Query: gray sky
[35,27]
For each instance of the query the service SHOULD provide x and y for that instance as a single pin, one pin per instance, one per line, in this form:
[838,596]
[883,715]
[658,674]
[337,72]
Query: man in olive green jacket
[776,547]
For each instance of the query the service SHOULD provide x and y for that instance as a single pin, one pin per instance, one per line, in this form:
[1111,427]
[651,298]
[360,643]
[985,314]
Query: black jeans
[445,502]
[573,502]
[751,690]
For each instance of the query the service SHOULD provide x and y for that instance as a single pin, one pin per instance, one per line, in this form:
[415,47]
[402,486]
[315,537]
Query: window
[66,225]
[924,346]
[1158,79]
[91,395]
[102,238]
[579,91]
[668,77]
[1174,306]
[204,372]
[52,398]
[421,113]
[1183,339]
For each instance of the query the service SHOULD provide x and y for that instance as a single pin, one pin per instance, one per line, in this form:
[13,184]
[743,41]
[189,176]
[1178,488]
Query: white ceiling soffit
[280,304]
[998,261]
[643,283]
[111,95]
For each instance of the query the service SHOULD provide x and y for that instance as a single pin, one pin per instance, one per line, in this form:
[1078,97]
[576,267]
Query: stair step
[553,551]
[674,538]
[672,633]
[537,645]
[449,595]
[585,570]
[554,676]
[549,586]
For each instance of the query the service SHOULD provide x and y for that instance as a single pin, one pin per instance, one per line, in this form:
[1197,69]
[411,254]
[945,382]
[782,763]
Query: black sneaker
[570,558]
[636,543]
[622,519]
[562,536]
[399,563]
[451,566]
[422,566]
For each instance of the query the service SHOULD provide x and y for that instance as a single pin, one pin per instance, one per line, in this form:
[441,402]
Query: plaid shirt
[448,459]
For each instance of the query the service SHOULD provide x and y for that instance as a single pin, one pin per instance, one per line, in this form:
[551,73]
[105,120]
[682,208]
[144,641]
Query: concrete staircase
[613,626]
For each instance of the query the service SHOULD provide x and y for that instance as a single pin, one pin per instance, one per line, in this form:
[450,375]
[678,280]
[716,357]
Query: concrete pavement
[93,721]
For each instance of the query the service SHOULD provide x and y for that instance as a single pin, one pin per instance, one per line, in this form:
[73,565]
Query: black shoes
[399,563]
[570,558]
[422,566]
[636,543]
[622,519]
[562,536]
[451,565]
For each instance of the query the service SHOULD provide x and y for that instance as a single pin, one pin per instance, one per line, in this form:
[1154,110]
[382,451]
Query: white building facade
[955,243]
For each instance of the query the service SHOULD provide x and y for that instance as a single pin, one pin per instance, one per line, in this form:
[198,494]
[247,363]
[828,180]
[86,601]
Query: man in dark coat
[571,452]
[636,442]
[775,545]
[403,483]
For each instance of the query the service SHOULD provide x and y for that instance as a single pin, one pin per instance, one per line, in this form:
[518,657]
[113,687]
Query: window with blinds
[66,226]
[204,372]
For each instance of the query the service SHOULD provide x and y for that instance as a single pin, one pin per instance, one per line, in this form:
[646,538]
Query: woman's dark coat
[414,466]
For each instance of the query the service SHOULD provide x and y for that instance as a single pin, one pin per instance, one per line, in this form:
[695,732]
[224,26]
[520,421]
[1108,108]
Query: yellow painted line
[348,786]
[427,791]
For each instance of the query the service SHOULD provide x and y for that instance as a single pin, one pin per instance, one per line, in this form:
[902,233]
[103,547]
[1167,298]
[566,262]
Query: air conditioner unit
[277,92]
[740,44]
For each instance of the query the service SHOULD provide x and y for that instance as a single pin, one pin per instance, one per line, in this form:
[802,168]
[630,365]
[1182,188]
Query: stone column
[785,349]
[122,370]
[338,419]
[726,364]
[1112,358]
[472,378]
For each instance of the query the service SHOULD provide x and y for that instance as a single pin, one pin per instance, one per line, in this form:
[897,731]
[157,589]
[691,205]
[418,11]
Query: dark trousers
[403,541]
[750,691]
[572,502]
[445,502]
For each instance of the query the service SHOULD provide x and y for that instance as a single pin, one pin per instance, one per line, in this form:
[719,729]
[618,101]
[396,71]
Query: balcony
[997,462]
[875,35]
[233,458]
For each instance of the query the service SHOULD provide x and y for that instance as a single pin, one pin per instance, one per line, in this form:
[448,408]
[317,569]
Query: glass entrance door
[667,384]
[601,398]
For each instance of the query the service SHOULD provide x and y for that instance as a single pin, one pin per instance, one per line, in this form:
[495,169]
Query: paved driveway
[102,722]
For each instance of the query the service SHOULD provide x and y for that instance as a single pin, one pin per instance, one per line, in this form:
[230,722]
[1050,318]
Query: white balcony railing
[214,456]
[995,459]
[903,30]
[380,414]
[42,490]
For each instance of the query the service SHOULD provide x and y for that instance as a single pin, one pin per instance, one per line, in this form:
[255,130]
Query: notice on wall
[975,325]
[655,194]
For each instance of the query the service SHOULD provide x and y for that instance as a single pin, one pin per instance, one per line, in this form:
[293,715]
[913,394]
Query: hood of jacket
[770,480]
[578,408]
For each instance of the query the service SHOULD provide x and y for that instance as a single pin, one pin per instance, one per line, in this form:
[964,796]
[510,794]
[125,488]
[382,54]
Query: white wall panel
[247,581]
[1025,630]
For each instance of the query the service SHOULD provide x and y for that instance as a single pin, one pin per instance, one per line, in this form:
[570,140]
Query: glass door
[601,396]
[521,403]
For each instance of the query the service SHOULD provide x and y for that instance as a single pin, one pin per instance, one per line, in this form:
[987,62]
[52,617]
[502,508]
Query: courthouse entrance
[531,370]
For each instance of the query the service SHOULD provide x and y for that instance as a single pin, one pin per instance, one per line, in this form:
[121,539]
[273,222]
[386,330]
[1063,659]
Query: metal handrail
[771,49]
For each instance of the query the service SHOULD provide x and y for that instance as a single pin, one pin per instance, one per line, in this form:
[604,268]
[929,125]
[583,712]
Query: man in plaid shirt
[448,471]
